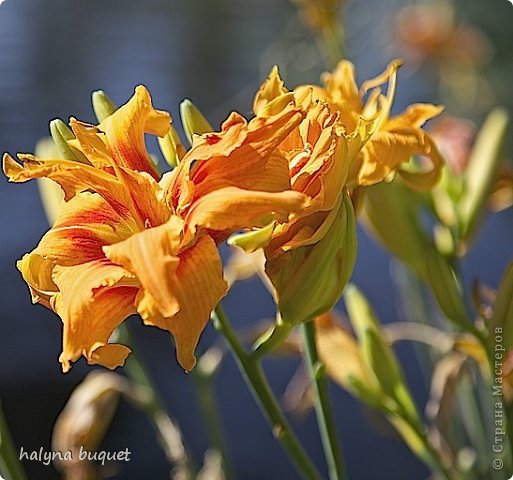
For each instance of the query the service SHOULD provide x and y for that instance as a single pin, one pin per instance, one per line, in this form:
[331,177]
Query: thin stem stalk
[322,403]
[254,376]
[150,401]
[207,401]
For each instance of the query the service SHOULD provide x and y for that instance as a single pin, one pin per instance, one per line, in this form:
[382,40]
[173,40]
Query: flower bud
[482,170]
[171,147]
[50,192]
[103,106]
[390,212]
[85,419]
[61,135]
[310,279]
[445,287]
[377,354]
[194,122]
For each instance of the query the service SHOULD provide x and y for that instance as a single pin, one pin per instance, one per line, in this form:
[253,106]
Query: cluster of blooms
[129,240]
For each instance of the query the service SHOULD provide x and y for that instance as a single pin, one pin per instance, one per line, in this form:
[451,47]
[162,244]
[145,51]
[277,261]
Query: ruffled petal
[199,288]
[272,88]
[241,155]
[91,142]
[85,224]
[37,273]
[124,189]
[73,177]
[125,128]
[94,298]
[342,88]
[230,209]
[152,256]
[388,149]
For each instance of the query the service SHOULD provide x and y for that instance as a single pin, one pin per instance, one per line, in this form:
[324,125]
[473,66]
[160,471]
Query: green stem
[210,412]
[153,405]
[323,410]
[253,374]
[10,465]
[271,339]
[435,462]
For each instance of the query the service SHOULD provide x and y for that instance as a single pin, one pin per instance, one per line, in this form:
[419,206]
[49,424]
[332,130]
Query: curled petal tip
[187,362]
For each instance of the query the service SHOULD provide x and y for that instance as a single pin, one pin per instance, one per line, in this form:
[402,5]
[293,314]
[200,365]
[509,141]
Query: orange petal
[324,173]
[144,197]
[73,177]
[85,224]
[239,156]
[124,190]
[378,105]
[125,129]
[416,115]
[199,287]
[94,299]
[151,255]
[341,86]
[91,142]
[37,273]
[112,355]
[231,209]
[387,150]
[270,89]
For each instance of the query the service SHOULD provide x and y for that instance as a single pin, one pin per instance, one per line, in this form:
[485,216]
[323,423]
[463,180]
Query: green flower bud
[194,122]
[103,106]
[61,135]
[481,173]
[309,280]
[378,355]
[171,147]
[390,212]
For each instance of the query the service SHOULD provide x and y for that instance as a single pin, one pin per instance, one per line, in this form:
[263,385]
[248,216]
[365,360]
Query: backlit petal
[125,129]
[199,286]
[270,89]
[415,115]
[37,273]
[151,255]
[233,209]
[339,352]
[85,224]
[387,150]
[94,299]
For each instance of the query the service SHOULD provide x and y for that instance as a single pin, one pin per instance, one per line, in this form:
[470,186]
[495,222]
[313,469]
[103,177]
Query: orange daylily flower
[342,144]
[127,241]
[310,257]
[380,144]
